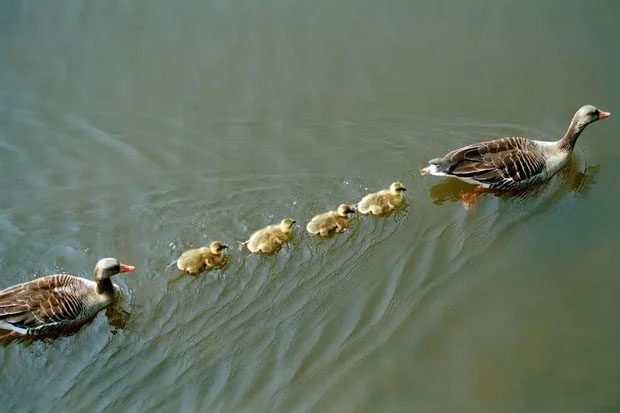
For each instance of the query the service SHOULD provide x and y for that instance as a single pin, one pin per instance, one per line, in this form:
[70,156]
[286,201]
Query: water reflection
[118,316]
[581,182]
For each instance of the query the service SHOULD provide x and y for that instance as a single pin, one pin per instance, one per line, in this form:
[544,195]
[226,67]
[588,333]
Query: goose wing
[43,302]
[502,163]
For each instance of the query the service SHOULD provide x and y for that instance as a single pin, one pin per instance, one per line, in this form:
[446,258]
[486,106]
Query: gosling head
[217,247]
[286,224]
[345,209]
[588,114]
[397,187]
[108,267]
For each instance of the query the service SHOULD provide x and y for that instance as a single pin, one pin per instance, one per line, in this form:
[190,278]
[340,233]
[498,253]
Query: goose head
[588,114]
[345,209]
[287,224]
[583,117]
[108,267]
[397,187]
[217,247]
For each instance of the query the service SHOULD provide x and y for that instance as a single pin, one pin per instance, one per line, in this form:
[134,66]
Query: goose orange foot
[469,199]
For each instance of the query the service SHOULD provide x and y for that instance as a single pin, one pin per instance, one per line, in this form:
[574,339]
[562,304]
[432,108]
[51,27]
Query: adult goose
[513,163]
[58,301]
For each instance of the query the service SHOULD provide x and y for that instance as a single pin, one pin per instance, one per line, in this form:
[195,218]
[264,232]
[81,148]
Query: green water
[139,129]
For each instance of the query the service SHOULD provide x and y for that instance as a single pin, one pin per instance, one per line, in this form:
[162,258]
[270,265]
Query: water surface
[137,130]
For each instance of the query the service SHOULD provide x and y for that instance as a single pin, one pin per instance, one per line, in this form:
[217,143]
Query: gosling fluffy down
[270,239]
[382,202]
[331,222]
[203,259]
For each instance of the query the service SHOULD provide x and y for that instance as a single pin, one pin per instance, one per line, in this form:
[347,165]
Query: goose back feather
[57,300]
[505,163]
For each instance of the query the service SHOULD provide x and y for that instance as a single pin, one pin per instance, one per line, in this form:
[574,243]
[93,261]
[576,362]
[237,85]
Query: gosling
[270,239]
[331,222]
[382,202]
[203,259]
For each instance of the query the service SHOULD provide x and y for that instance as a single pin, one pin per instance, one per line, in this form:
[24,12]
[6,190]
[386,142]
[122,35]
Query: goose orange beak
[603,115]
[127,268]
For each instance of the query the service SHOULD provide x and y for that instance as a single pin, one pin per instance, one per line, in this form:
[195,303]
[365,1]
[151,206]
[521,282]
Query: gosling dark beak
[127,268]
[603,115]
[402,189]
[225,246]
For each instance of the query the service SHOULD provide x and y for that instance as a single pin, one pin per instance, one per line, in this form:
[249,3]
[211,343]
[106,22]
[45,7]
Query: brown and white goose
[516,162]
[58,301]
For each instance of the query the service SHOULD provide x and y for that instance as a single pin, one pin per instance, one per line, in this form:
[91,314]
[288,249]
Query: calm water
[138,129]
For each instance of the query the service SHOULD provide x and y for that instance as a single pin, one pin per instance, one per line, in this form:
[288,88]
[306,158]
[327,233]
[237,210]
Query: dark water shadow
[117,316]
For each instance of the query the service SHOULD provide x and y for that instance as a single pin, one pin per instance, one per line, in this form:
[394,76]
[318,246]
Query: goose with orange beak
[515,162]
[58,301]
